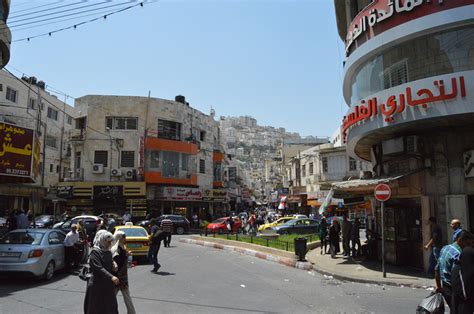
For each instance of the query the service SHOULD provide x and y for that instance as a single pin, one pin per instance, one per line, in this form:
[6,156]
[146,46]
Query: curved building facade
[409,87]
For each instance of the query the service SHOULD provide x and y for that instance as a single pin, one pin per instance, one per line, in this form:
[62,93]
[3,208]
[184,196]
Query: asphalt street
[196,279]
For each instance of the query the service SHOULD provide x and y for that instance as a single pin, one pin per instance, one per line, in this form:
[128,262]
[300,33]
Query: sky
[279,61]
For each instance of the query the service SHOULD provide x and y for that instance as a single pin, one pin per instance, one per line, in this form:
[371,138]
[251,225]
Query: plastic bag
[434,303]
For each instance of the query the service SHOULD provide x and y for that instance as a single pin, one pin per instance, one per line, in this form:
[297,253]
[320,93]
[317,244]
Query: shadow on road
[165,273]
[13,283]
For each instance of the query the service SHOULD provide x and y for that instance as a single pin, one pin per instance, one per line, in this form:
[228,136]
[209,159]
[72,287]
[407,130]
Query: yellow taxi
[137,239]
[277,222]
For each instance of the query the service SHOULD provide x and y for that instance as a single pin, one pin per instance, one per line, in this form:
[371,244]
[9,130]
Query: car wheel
[180,230]
[49,271]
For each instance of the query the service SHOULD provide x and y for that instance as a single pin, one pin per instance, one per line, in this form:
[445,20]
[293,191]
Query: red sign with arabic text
[16,150]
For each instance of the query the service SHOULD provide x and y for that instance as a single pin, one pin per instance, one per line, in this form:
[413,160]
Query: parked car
[277,222]
[43,221]
[118,219]
[298,226]
[90,223]
[3,221]
[137,239]
[181,224]
[38,252]
[220,225]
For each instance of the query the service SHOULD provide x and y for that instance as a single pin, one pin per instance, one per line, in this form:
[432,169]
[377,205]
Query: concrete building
[139,153]
[5,34]
[408,86]
[47,119]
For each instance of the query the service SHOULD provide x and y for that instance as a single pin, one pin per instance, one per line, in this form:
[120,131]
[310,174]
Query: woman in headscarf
[120,257]
[334,237]
[100,294]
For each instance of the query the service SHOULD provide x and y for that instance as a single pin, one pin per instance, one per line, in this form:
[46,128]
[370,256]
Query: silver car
[38,252]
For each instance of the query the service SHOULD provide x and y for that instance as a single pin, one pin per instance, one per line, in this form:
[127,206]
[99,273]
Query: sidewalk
[366,271]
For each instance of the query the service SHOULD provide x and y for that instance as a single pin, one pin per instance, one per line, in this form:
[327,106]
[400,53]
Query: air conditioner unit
[411,145]
[116,173]
[130,173]
[98,168]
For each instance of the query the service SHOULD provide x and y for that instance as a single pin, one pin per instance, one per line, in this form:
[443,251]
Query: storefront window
[435,54]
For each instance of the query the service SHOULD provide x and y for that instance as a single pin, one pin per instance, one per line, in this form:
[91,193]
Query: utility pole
[61,142]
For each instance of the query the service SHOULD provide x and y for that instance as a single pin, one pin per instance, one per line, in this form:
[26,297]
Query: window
[311,168]
[12,95]
[202,136]
[352,164]
[325,164]
[170,164]
[184,162]
[58,168]
[303,170]
[169,130]
[101,157]
[32,103]
[77,160]
[127,159]
[51,141]
[217,172]
[51,166]
[52,113]
[118,123]
[155,159]
[69,119]
[202,166]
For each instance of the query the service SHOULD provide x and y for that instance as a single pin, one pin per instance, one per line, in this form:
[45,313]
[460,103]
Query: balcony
[74,175]
[158,144]
[156,177]
[76,135]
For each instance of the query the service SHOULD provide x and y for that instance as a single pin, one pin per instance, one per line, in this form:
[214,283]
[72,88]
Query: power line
[28,9]
[44,10]
[79,24]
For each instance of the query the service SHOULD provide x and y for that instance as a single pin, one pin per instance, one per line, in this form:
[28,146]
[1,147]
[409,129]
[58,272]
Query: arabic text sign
[16,150]
[177,193]
[396,104]
[382,15]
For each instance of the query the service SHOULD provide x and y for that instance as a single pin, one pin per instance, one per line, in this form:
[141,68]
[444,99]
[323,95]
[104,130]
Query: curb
[268,257]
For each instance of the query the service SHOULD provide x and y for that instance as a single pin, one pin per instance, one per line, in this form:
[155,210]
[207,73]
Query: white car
[38,252]
[298,216]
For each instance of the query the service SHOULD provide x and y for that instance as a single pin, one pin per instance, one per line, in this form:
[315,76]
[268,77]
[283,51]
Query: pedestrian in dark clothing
[157,236]
[120,257]
[450,255]
[167,227]
[323,235]
[355,238]
[12,221]
[100,293]
[346,236]
[435,243]
[334,238]
[462,301]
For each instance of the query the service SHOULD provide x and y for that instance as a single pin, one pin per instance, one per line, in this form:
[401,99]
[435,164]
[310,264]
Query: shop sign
[108,192]
[382,15]
[16,151]
[317,195]
[64,191]
[232,171]
[178,193]
[141,156]
[215,194]
[407,101]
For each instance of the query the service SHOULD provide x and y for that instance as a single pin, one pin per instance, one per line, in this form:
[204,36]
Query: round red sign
[382,192]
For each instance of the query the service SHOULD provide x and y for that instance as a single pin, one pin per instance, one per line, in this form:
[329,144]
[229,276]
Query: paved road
[195,279]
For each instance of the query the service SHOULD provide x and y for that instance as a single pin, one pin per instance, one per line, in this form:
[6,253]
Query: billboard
[19,152]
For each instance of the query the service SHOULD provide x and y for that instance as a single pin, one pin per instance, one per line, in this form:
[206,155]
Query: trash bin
[301,248]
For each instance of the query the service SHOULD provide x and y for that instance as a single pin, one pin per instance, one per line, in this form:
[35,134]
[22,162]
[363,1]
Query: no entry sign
[382,192]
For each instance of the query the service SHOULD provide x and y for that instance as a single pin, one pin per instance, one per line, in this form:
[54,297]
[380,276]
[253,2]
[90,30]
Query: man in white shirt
[70,250]
[126,217]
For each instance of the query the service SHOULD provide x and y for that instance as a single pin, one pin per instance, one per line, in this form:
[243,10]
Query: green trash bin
[301,248]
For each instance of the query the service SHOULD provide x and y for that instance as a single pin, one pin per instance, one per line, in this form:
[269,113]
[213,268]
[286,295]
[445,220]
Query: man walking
[448,257]
[167,227]
[456,225]
[346,236]
[157,236]
[70,248]
[435,243]
[22,221]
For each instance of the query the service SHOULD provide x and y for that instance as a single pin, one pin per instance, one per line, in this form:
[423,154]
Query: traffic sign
[382,192]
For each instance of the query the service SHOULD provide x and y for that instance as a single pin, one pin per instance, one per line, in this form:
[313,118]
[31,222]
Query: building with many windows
[35,120]
[408,84]
[140,153]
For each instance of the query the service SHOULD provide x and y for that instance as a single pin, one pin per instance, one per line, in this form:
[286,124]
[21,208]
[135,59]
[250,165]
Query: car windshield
[134,232]
[291,222]
[219,221]
[42,218]
[22,237]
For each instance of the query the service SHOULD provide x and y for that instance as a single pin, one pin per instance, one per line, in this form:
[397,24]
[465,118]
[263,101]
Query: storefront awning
[368,183]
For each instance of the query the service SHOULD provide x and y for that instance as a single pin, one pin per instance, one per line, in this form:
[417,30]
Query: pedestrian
[346,236]
[120,257]
[167,227]
[462,301]
[334,238]
[126,217]
[448,257]
[195,221]
[30,216]
[456,225]
[70,250]
[435,244]
[252,222]
[355,238]
[156,236]
[22,221]
[323,235]
[100,293]
[12,221]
